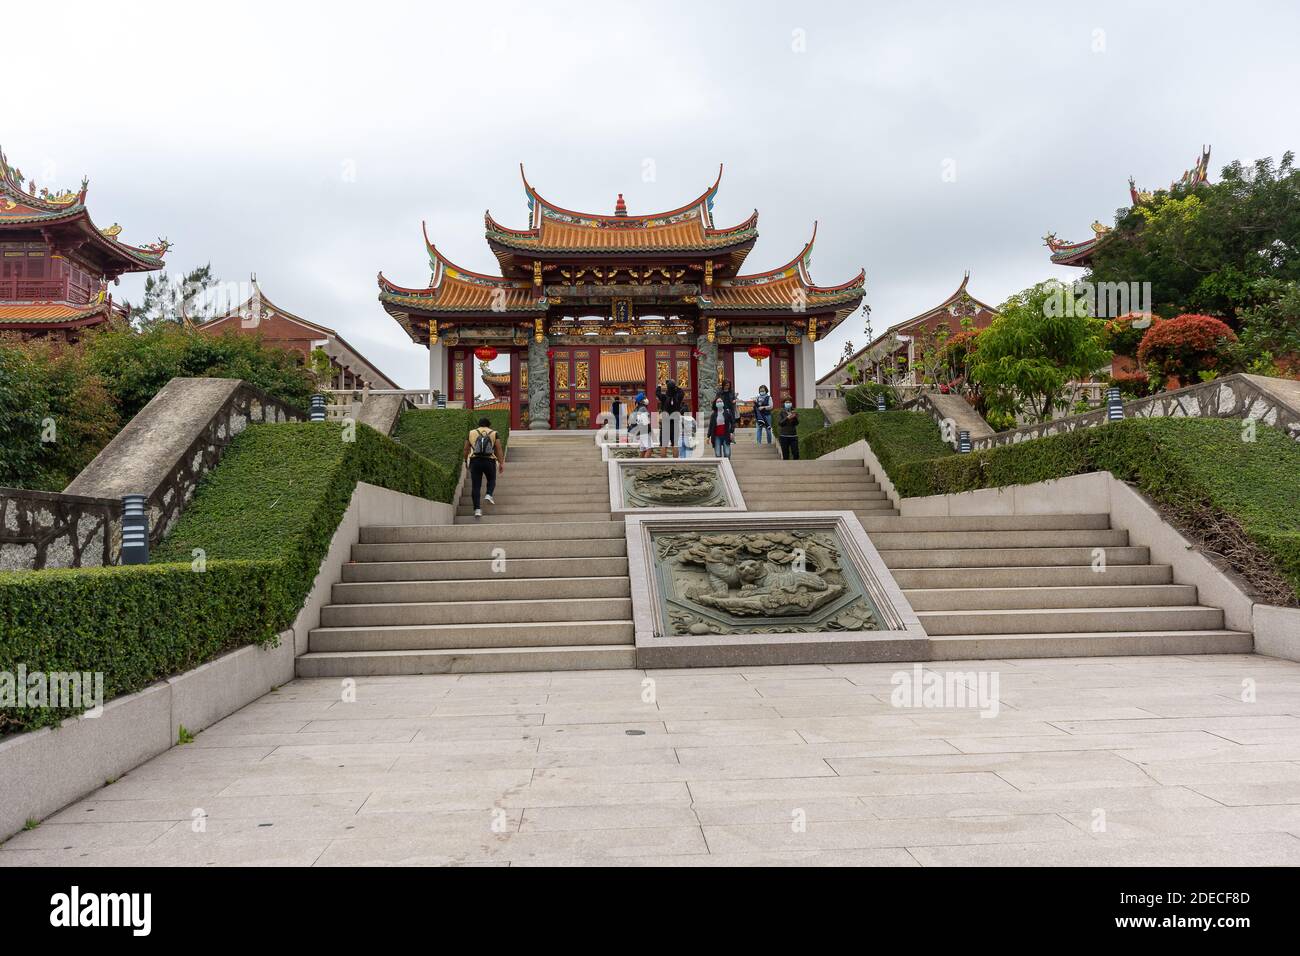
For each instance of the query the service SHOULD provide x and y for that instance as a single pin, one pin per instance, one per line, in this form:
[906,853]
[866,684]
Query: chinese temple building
[1080,253]
[591,306]
[280,328]
[891,356]
[55,263]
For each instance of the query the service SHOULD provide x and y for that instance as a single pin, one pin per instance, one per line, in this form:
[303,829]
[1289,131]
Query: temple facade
[592,307]
[891,356]
[55,263]
[280,328]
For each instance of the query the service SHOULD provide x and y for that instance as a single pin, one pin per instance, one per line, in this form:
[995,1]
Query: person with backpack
[763,414]
[788,423]
[484,457]
[671,399]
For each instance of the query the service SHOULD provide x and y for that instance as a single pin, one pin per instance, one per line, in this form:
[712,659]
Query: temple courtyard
[1092,761]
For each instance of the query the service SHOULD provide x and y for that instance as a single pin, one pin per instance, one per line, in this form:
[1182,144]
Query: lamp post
[317,411]
[135,530]
[1114,406]
[880,403]
[963,441]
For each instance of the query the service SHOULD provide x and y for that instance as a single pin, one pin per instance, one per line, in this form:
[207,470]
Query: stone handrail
[174,440]
[43,529]
[1272,401]
[954,409]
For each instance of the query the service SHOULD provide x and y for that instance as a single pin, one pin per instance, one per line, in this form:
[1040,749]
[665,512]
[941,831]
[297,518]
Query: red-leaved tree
[1180,349]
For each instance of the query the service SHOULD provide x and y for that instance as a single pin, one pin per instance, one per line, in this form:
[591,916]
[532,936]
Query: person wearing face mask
[763,414]
[727,394]
[722,422]
[788,423]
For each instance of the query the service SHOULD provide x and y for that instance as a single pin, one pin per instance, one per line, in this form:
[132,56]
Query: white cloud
[226,128]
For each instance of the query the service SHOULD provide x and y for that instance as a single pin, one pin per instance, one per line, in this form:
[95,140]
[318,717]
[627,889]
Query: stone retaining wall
[41,529]
[1271,401]
[162,453]
[174,440]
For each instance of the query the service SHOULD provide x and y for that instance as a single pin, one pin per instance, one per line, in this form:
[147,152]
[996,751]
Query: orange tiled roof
[553,228]
[453,289]
[784,288]
[622,367]
[49,312]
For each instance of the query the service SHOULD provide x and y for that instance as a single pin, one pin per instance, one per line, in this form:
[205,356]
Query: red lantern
[485,353]
[759,352]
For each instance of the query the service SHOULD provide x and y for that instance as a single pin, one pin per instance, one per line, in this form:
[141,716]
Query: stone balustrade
[162,453]
[41,529]
[1270,401]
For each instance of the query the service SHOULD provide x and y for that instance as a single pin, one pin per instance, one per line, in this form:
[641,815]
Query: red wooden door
[670,361]
[781,375]
[575,393]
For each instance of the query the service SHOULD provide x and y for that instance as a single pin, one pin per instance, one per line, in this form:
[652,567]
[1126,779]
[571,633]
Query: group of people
[485,458]
[678,429]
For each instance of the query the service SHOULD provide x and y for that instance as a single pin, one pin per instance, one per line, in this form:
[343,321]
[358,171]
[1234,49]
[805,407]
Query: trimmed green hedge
[812,421]
[263,520]
[896,438]
[1233,493]
[439,435]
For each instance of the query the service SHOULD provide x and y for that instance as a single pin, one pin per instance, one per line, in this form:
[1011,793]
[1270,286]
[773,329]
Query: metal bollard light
[135,530]
[880,403]
[317,411]
[963,441]
[1114,406]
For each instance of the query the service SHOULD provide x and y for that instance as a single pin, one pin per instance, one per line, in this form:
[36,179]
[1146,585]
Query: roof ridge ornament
[620,207]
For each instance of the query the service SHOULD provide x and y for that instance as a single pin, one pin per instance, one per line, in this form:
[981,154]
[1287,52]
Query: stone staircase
[436,599]
[440,599]
[771,484]
[1025,586]
[1002,586]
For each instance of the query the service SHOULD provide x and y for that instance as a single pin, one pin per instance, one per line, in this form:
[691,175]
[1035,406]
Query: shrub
[812,421]
[1237,496]
[439,435]
[1135,384]
[1183,347]
[862,398]
[55,415]
[1124,334]
[136,365]
[263,519]
[896,438]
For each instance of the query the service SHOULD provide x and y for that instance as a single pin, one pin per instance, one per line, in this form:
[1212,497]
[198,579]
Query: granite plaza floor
[1094,761]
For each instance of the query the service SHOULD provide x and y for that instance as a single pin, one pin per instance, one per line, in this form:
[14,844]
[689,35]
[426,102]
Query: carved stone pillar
[539,385]
[706,375]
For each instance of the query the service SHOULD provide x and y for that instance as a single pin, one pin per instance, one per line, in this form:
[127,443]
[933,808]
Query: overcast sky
[306,142]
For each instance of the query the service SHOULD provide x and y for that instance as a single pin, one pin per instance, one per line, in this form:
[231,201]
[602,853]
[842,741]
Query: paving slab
[1097,762]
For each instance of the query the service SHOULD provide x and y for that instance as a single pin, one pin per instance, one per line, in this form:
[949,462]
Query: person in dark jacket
[722,422]
[763,415]
[788,427]
[671,399]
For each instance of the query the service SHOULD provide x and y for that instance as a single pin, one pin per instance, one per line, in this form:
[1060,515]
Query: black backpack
[485,445]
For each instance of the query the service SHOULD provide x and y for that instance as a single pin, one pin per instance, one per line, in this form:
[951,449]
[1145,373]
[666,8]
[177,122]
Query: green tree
[1039,343]
[173,302]
[1269,331]
[135,365]
[55,416]
[1205,249]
